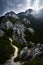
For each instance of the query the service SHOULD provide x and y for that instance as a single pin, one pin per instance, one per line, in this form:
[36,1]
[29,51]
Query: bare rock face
[18,33]
[27,54]
[27,12]
[23,52]
[8,24]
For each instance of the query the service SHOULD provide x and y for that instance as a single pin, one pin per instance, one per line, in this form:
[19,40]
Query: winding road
[11,61]
[16,49]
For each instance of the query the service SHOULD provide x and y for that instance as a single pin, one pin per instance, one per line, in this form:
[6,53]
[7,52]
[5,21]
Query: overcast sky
[19,5]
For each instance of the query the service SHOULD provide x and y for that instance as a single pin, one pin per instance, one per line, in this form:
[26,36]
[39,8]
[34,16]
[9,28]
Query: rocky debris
[27,54]
[23,52]
[38,45]
[35,51]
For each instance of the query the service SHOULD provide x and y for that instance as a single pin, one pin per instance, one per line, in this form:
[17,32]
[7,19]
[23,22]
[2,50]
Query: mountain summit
[11,14]
[29,11]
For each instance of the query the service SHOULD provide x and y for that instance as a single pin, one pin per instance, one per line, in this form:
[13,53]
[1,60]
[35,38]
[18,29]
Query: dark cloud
[7,5]
[16,5]
[2,6]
